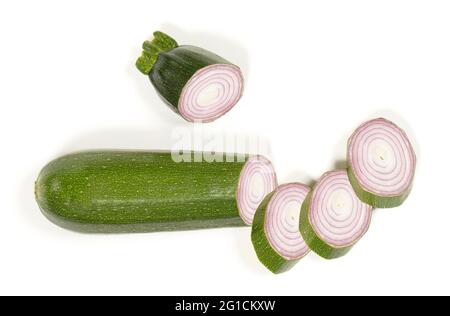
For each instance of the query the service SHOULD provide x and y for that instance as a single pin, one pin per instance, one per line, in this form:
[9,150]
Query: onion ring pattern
[257,179]
[336,214]
[281,224]
[382,158]
[211,92]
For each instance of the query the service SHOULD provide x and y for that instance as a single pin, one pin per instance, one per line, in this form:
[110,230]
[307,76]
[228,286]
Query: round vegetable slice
[381,163]
[197,84]
[333,219]
[257,179]
[275,233]
[138,191]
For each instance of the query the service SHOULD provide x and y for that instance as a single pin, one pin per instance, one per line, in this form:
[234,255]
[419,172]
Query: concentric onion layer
[281,224]
[382,158]
[336,214]
[257,179]
[211,92]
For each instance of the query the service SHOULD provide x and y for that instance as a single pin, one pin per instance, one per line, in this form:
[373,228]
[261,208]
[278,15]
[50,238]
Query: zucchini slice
[138,191]
[333,219]
[275,234]
[381,163]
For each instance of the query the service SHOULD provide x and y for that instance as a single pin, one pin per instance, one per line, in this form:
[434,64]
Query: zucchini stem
[151,49]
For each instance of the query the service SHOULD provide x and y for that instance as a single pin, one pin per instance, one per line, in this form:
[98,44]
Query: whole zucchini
[138,191]
[195,83]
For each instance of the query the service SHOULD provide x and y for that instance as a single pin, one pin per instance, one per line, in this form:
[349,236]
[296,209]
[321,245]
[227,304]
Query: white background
[314,71]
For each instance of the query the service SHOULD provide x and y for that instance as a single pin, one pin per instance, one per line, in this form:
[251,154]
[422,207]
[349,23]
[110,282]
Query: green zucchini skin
[174,68]
[314,242]
[264,251]
[138,191]
[373,199]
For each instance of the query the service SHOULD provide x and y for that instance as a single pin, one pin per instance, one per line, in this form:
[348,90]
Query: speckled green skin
[173,69]
[126,192]
[373,199]
[266,254]
[313,240]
